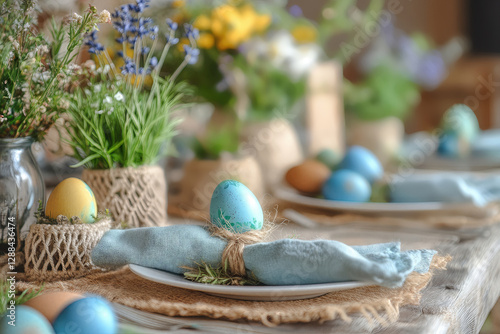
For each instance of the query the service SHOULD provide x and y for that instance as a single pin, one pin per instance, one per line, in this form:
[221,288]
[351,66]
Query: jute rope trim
[134,196]
[236,242]
[55,252]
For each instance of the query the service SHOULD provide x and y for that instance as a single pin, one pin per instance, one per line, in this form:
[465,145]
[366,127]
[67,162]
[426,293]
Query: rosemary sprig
[205,273]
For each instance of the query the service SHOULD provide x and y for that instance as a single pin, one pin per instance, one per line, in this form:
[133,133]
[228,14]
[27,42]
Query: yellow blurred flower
[136,79]
[202,22]
[304,34]
[183,41]
[233,25]
[178,3]
[206,40]
[262,22]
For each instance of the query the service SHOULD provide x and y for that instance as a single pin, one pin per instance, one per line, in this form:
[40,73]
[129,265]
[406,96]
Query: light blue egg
[362,161]
[27,320]
[234,207]
[462,121]
[347,186]
[87,315]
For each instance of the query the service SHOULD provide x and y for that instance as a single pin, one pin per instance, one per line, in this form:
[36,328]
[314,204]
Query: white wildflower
[74,67]
[97,88]
[90,65]
[64,104]
[106,69]
[99,112]
[111,111]
[94,105]
[43,49]
[87,92]
[43,109]
[77,18]
[119,96]
[104,17]
[108,99]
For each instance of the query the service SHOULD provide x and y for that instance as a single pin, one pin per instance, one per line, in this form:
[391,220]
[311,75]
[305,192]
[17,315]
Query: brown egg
[309,176]
[50,304]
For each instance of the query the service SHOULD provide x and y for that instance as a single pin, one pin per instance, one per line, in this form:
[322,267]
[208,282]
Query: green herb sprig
[205,273]
[19,298]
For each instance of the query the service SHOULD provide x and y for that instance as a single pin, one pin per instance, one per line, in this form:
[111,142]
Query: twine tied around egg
[236,242]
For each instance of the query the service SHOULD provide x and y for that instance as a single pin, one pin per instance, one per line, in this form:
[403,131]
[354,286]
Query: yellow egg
[72,197]
[50,304]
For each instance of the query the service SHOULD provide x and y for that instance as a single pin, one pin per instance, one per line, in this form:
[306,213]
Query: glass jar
[21,188]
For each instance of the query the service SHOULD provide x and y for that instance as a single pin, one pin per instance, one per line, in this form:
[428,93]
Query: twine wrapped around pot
[134,196]
[59,252]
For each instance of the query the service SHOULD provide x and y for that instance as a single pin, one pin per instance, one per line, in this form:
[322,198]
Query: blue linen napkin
[445,187]
[487,144]
[282,262]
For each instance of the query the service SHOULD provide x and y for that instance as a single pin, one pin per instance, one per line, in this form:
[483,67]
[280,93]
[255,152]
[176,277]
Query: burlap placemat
[377,304]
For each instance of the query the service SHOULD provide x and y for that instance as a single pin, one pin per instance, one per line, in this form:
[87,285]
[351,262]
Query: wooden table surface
[457,300]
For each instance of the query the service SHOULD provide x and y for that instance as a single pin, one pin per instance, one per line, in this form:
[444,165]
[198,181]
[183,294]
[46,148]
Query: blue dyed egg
[452,146]
[88,315]
[362,161]
[27,320]
[347,186]
[234,207]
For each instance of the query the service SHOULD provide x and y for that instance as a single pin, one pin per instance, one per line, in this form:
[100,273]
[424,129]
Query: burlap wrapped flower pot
[136,197]
[202,176]
[274,145]
[59,252]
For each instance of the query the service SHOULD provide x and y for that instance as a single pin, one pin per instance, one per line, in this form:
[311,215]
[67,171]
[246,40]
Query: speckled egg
[27,320]
[72,197]
[362,161]
[88,315]
[348,186]
[308,177]
[234,207]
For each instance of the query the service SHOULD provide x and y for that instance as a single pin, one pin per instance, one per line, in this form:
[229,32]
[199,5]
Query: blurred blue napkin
[282,262]
[487,144]
[445,187]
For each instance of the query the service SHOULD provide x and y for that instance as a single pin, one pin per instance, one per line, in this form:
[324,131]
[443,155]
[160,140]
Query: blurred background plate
[386,209]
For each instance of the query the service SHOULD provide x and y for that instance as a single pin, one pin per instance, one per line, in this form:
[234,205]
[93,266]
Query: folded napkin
[282,262]
[445,187]
[486,144]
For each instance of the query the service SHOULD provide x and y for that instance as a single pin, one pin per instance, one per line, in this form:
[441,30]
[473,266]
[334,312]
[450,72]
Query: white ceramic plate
[291,195]
[262,293]
[467,164]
